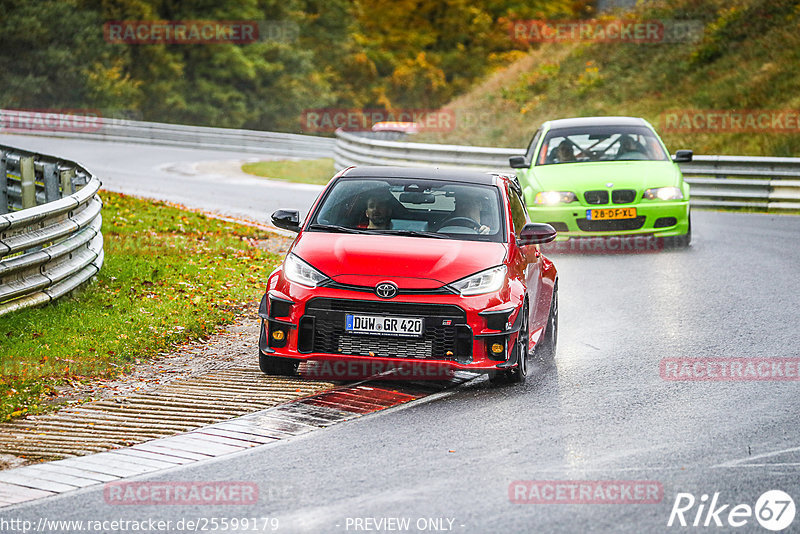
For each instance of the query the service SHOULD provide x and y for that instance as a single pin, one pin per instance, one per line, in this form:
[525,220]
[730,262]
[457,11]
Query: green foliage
[396,54]
[52,55]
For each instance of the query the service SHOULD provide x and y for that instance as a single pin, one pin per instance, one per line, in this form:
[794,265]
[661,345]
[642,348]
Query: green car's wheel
[681,241]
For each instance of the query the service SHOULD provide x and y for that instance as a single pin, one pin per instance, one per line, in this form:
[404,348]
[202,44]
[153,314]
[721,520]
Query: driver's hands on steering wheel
[468,222]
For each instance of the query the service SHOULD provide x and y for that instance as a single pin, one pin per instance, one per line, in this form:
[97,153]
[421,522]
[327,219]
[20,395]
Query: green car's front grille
[596,197]
[618,196]
[613,225]
[623,196]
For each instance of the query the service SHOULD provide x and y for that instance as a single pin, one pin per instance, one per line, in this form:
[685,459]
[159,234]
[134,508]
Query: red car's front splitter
[346,368]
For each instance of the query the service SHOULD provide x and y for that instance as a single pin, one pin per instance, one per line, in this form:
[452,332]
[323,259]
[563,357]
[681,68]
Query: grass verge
[745,59]
[169,276]
[306,171]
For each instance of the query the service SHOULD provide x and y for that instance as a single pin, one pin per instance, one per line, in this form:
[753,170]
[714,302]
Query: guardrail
[757,183]
[156,133]
[50,238]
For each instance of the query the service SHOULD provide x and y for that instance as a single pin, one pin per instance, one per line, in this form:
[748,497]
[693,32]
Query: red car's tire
[518,374]
[545,350]
[277,366]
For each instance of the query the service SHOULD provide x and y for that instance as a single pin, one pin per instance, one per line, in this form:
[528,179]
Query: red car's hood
[410,262]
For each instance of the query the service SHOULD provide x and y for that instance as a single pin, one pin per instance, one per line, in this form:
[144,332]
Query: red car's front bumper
[307,324]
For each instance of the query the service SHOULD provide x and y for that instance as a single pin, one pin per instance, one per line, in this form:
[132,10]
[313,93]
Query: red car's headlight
[481,282]
[298,271]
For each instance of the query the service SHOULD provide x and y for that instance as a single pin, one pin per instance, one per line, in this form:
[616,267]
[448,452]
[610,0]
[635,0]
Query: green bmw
[604,176]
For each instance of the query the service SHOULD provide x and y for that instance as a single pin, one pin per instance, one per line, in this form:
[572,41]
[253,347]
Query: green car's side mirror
[518,162]
[683,156]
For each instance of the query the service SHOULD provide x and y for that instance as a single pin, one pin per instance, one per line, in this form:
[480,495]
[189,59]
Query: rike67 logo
[774,510]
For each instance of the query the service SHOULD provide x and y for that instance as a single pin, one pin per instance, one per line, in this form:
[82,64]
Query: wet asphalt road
[600,412]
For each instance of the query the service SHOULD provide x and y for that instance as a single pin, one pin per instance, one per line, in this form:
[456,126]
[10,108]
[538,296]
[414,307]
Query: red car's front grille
[445,331]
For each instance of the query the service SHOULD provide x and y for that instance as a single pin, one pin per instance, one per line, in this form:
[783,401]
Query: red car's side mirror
[287,219]
[536,234]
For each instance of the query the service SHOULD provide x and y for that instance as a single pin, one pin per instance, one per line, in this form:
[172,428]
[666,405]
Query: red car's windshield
[410,206]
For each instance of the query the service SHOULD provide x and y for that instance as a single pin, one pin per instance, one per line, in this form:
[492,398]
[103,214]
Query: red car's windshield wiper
[336,228]
[412,233]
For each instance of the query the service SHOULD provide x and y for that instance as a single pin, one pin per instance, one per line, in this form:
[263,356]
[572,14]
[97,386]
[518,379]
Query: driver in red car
[469,206]
[379,213]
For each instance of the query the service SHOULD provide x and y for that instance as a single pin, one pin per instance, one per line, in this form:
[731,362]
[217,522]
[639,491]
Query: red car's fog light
[496,348]
[278,335]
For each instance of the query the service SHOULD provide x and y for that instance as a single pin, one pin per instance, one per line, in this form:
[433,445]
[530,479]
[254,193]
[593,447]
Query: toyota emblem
[386,290]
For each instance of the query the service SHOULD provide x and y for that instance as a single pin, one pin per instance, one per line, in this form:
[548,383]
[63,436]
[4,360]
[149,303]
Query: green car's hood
[578,177]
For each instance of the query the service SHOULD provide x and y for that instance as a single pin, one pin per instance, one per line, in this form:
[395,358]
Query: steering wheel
[633,154]
[461,221]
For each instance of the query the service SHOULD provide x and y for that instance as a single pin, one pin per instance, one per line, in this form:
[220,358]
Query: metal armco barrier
[758,183]
[155,133]
[50,239]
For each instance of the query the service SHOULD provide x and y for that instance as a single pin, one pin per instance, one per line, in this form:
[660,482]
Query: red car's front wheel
[518,374]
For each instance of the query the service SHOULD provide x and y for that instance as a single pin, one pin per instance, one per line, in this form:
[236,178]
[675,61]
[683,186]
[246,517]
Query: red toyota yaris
[417,266]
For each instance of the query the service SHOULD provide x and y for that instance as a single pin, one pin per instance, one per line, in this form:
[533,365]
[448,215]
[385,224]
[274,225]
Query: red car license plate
[383,325]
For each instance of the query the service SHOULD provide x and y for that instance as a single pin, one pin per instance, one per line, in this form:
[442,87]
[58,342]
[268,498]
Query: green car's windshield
[600,143]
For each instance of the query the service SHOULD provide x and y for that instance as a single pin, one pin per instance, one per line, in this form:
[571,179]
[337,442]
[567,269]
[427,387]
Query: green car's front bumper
[653,217]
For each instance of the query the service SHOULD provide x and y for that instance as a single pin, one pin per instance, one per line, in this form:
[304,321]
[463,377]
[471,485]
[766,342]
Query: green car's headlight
[481,282]
[552,198]
[663,193]
[300,272]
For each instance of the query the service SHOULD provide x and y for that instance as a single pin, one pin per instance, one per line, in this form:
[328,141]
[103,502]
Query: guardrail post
[28,181]
[66,182]
[50,179]
[3,183]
